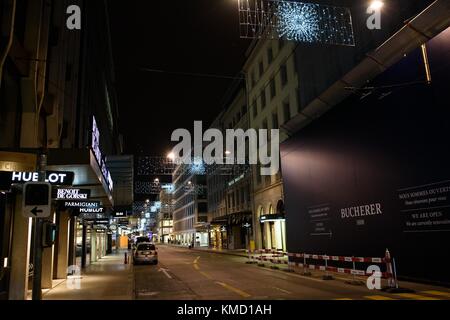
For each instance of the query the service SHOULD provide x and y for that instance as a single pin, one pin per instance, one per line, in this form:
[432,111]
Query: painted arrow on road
[35,211]
[165,272]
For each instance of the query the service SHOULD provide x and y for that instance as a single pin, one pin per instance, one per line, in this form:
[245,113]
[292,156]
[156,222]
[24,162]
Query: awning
[88,174]
[234,218]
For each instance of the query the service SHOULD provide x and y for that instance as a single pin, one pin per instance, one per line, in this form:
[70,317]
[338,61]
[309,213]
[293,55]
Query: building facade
[190,215]
[230,191]
[46,101]
[165,216]
[272,86]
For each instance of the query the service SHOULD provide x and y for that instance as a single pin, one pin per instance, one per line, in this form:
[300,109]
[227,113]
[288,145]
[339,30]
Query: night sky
[194,36]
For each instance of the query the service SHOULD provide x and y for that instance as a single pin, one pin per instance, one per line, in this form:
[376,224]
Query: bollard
[305,273]
[327,276]
[391,281]
[125,261]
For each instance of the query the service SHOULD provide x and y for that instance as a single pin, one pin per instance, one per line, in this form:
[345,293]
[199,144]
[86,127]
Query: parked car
[140,240]
[145,253]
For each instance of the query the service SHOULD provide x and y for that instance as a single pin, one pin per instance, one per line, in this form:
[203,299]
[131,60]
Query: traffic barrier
[278,257]
[267,255]
[388,274]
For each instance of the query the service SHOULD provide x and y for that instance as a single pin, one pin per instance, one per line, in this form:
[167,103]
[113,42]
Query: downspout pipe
[10,14]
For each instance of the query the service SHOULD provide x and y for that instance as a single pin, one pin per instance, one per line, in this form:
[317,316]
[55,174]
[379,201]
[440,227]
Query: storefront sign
[271,217]
[70,194]
[98,154]
[17,161]
[119,214]
[236,180]
[98,221]
[92,210]
[81,204]
[56,178]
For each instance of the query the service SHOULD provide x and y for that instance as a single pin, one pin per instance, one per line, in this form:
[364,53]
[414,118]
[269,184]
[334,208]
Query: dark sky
[190,36]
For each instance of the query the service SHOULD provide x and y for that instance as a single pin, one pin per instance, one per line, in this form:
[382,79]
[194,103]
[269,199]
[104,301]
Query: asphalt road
[184,274]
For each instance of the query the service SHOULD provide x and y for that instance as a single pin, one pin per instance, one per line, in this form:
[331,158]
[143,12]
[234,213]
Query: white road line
[282,290]
[166,273]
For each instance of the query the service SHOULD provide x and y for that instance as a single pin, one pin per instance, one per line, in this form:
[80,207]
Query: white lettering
[74,20]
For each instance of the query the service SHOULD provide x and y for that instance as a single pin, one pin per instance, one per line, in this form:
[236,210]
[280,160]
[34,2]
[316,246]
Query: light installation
[298,21]
[295,21]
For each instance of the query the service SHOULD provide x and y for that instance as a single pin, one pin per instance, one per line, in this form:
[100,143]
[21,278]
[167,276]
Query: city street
[187,274]
[272,150]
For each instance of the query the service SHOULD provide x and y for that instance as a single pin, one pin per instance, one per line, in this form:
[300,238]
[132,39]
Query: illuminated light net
[298,21]
[295,21]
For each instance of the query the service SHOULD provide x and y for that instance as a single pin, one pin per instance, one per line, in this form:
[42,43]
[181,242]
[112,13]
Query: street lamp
[376,5]
[171,156]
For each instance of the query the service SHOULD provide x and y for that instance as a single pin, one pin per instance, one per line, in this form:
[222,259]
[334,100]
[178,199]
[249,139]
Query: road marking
[282,290]
[165,272]
[302,277]
[147,293]
[415,296]
[196,259]
[437,293]
[205,275]
[235,290]
[196,267]
[375,297]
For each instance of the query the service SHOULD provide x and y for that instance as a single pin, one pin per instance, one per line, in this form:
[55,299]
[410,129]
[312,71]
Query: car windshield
[146,247]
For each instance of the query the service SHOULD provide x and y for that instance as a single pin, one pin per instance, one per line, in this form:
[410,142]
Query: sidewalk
[107,279]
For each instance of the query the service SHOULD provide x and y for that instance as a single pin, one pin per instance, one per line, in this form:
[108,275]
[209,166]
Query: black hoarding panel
[374,174]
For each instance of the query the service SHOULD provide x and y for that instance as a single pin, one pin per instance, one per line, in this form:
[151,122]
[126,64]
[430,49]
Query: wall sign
[98,154]
[271,217]
[92,210]
[119,214]
[56,178]
[81,204]
[70,194]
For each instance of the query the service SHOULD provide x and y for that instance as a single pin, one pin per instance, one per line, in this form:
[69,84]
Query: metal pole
[395,273]
[37,261]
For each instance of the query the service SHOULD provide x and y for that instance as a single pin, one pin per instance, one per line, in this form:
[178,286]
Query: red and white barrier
[279,257]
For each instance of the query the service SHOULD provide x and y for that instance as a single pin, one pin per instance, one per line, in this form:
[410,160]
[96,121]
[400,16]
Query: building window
[286,111]
[264,124]
[284,75]
[270,55]
[273,89]
[263,99]
[261,69]
[258,174]
[275,123]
